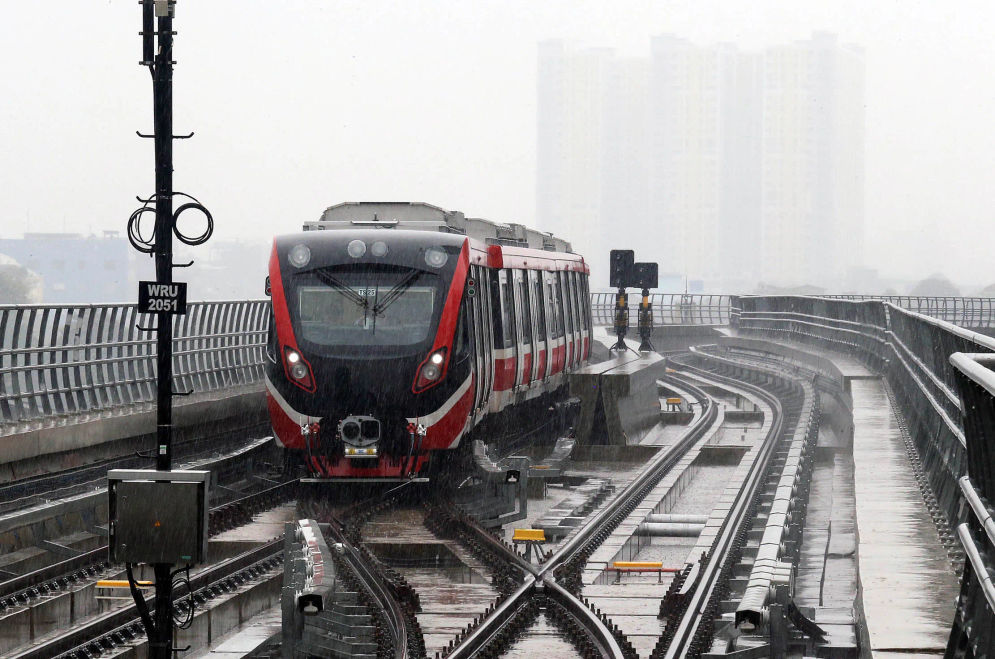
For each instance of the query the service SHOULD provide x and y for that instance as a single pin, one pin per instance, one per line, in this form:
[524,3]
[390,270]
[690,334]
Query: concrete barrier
[619,399]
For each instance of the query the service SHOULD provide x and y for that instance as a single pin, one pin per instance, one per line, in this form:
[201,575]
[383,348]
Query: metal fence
[668,309]
[963,311]
[61,361]
[945,390]
[973,633]
[687,309]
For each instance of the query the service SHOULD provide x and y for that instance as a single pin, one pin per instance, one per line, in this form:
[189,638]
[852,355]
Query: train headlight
[299,256]
[299,371]
[436,257]
[431,370]
[356,248]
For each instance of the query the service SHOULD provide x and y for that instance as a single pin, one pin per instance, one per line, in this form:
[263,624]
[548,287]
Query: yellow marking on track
[529,535]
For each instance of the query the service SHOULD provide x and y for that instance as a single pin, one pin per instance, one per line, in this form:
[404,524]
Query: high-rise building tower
[723,166]
[812,167]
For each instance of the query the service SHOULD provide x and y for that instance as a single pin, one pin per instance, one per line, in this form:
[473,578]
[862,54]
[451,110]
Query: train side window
[585,293]
[526,308]
[568,307]
[555,305]
[575,287]
[508,309]
[540,305]
[498,319]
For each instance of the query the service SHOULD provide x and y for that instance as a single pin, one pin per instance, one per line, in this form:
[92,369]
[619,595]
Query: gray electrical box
[157,516]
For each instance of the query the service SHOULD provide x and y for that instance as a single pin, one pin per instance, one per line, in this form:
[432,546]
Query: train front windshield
[366,308]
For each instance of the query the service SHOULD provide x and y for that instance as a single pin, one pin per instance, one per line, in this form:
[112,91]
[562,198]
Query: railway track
[556,581]
[692,604]
[120,625]
[526,589]
[233,510]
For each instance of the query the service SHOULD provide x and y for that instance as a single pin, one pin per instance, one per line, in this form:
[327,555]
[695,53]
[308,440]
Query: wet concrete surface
[451,596]
[909,588]
[541,641]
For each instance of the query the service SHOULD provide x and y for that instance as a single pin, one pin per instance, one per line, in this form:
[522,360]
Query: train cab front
[366,346]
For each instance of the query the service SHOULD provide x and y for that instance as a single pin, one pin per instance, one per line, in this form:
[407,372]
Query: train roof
[419,216]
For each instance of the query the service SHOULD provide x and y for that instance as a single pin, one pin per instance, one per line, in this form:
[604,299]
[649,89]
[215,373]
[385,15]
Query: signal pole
[163,297]
[162,95]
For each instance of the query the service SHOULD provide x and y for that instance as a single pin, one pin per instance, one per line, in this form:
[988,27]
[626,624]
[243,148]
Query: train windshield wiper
[343,288]
[394,293]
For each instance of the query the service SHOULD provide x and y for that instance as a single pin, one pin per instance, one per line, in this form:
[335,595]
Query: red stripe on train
[446,430]
[286,429]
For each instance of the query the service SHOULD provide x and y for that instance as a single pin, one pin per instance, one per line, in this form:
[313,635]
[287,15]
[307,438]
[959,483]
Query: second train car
[397,328]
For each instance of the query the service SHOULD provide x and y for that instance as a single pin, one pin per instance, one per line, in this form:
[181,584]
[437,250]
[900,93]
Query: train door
[488,320]
[584,300]
[568,323]
[480,366]
[506,354]
[526,330]
[578,315]
[555,317]
[541,352]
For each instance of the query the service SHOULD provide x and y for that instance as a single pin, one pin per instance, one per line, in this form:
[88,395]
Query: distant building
[724,166]
[227,270]
[75,268]
[812,168]
[570,149]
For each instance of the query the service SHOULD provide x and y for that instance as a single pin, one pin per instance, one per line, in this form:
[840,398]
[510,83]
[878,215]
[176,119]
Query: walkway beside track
[908,587]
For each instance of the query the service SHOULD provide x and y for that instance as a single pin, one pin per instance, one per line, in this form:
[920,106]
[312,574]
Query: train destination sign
[156,297]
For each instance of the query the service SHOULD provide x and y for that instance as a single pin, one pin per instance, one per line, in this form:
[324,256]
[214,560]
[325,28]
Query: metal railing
[64,361]
[911,349]
[963,311]
[668,309]
[973,633]
[61,361]
[696,309]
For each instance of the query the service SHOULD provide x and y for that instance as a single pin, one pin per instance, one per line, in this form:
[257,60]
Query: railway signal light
[624,273]
[621,261]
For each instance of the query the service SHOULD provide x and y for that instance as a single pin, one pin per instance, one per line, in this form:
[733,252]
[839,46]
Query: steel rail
[708,578]
[23,587]
[543,576]
[392,609]
[107,623]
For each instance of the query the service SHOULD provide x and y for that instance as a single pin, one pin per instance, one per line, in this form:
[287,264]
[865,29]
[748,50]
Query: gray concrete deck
[908,587]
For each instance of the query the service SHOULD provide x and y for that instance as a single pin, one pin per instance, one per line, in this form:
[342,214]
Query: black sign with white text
[155,297]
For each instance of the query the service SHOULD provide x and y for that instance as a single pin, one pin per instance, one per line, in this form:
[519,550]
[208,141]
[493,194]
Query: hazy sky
[299,105]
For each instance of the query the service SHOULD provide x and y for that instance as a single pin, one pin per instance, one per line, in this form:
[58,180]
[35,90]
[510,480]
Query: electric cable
[208,230]
[185,619]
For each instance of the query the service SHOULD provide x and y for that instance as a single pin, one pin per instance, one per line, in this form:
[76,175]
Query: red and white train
[397,328]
